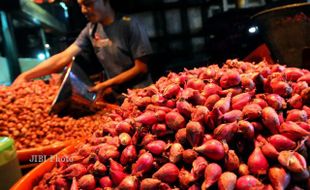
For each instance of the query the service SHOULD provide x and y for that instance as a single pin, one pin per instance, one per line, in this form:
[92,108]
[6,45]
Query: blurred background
[183,33]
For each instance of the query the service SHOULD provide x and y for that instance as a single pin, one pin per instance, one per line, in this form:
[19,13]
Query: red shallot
[248,182]
[168,173]
[194,133]
[143,164]
[227,181]
[270,119]
[212,149]
[258,164]
[212,173]
[279,178]
[150,184]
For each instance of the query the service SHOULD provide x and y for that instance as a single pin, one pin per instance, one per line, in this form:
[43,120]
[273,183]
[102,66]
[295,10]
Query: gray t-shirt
[116,46]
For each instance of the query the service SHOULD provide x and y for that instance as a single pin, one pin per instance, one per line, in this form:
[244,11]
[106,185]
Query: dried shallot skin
[238,126]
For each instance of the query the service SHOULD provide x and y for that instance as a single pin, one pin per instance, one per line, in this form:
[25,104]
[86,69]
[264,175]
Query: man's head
[96,10]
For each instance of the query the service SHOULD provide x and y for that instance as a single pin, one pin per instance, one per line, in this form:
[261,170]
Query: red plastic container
[32,178]
[26,154]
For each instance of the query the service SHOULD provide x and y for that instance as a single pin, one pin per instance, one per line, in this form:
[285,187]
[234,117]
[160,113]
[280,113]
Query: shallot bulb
[176,151]
[239,101]
[280,142]
[211,89]
[246,129]
[225,131]
[293,131]
[156,147]
[105,182]
[143,164]
[293,74]
[295,101]
[180,136]
[247,182]
[175,121]
[296,115]
[128,155]
[168,173]
[129,183]
[125,139]
[74,170]
[147,118]
[184,108]
[194,133]
[212,173]
[282,88]
[230,79]
[270,151]
[199,166]
[196,84]
[279,178]
[159,129]
[212,149]
[171,91]
[87,182]
[124,127]
[211,100]
[199,113]
[223,105]
[257,162]
[252,111]
[293,161]
[227,181]
[150,184]
[185,178]
[276,101]
[232,116]
[270,119]
[231,161]
[189,156]
[243,169]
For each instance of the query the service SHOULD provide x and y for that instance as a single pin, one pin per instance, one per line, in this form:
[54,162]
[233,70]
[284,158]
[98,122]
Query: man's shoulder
[125,22]
[126,18]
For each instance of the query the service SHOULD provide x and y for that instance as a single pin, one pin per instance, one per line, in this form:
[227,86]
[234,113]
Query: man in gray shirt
[120,44]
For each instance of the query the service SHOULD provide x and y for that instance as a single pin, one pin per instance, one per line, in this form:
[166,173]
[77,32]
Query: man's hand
[99,87]
[19,80]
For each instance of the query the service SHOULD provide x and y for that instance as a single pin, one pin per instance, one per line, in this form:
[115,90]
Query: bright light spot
[35,20]
[253,29]
[63,5]
[47,46]
[41,56]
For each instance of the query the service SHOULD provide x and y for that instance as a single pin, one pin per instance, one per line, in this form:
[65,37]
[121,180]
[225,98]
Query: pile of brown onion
[24,116]
[242,126]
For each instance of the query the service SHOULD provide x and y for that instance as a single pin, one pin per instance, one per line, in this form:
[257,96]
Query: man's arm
[51,65]
[140,68]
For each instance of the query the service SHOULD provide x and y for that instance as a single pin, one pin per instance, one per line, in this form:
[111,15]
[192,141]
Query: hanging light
[41,56]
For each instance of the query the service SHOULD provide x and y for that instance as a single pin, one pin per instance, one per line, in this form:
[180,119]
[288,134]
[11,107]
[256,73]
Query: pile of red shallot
[242,126]
[24,116]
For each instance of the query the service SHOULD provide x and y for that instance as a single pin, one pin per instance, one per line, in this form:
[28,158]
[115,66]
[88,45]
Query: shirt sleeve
[138,40]
[83,40]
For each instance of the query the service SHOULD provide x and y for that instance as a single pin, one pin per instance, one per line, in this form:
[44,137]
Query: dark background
[178,41]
